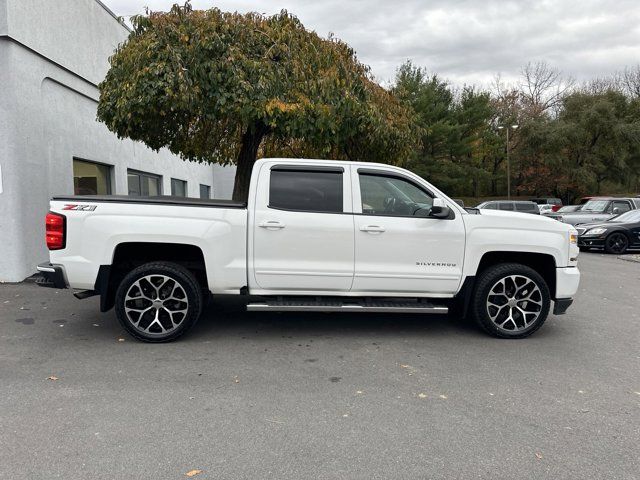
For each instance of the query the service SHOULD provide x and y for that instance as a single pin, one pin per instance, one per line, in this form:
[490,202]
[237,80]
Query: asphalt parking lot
[327,396]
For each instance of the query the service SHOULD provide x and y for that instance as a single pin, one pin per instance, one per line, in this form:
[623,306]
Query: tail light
[55,231]
[555,208]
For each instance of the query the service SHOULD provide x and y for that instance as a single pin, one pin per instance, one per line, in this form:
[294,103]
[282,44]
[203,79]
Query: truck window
[306,190]
[505,206]
[622,206]
[394,196]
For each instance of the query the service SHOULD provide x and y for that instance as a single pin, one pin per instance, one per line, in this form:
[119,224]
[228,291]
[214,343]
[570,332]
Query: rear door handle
[372,229]
[271,224]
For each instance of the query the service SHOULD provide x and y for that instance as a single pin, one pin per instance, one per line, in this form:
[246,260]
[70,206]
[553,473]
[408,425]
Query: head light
[595,231]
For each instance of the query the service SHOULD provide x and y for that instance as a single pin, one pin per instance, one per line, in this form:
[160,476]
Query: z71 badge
[81,208]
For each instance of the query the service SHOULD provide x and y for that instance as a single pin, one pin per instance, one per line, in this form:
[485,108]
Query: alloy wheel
[156,304]
[514,303]
[617,243]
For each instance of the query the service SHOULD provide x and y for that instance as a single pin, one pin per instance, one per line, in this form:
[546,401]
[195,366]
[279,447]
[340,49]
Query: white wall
[52,55]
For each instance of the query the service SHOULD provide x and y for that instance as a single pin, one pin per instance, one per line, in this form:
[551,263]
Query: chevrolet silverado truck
[314,235]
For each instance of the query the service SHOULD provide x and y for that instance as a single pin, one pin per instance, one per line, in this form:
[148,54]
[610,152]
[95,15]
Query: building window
[310,191]
[205,191]
[91,178]
[143,184]
[178,188]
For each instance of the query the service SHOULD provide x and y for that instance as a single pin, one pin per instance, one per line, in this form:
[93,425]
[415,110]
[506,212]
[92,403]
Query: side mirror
[616,211]
[439,209]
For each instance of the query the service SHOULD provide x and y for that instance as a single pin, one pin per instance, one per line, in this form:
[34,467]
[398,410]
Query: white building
[53,54]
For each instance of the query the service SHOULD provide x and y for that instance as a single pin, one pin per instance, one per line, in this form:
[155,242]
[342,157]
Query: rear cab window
[505,206]
[303,189]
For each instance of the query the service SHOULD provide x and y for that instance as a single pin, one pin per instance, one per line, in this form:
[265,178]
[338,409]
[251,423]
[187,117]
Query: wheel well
[542,263]
[128,256]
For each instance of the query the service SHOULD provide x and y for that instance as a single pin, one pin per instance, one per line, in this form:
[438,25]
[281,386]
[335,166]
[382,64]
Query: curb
[630,258]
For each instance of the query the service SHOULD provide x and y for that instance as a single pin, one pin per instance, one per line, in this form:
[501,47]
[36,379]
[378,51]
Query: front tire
[510,301]
[158,302]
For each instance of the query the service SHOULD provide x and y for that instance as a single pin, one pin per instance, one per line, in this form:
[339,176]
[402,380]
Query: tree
[214,86]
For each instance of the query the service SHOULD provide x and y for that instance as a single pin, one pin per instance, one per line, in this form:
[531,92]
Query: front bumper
[567,282]
[561,305]
[590,242]
[53,276]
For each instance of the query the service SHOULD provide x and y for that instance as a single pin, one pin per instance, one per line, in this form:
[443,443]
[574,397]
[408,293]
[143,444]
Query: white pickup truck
[315,235]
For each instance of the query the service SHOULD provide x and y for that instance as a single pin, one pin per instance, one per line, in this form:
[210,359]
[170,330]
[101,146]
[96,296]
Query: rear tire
[158,302]
[510,301]
[616,243]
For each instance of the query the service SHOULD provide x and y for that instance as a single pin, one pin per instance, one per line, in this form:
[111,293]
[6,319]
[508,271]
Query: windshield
[595,206]
[569,208]
[630,216]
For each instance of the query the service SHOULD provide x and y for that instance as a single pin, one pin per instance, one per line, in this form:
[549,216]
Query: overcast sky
[465,41]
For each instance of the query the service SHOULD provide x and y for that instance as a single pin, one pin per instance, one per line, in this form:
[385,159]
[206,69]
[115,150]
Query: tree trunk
[251,140]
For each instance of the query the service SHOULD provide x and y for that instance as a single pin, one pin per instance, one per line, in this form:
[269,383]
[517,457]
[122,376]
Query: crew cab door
[302,229]
[398,247]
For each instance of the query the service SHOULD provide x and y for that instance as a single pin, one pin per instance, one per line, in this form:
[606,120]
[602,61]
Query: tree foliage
[215,86]
[570,140]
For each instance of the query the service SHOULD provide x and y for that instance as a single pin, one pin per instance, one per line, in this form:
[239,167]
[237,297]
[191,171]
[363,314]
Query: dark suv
[511,206]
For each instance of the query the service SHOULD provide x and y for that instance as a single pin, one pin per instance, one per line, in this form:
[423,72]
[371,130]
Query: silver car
[598,210]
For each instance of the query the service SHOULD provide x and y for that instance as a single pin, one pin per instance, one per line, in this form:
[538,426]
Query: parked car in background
[584,200]
[545,209]
[570,208]
[598,209]
[555,203]
[521,206]
[616,235]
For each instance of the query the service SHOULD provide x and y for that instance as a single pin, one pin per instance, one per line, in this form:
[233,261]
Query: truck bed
[154,200]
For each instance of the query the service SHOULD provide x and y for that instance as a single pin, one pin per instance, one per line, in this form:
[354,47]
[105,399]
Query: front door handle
[372,229]
[271,224]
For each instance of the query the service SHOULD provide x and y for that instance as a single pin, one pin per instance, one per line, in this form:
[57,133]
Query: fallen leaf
[274,421]
[538,456]
[52,377]
[422,395]
[443,397]
[235,380]
[121,339]
[193,473]
[404,366]
[359,392]
[345,415]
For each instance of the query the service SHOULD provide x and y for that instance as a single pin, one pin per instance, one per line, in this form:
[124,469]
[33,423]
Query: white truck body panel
[93,237]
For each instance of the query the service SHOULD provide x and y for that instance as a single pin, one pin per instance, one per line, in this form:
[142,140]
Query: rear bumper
[53,276]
